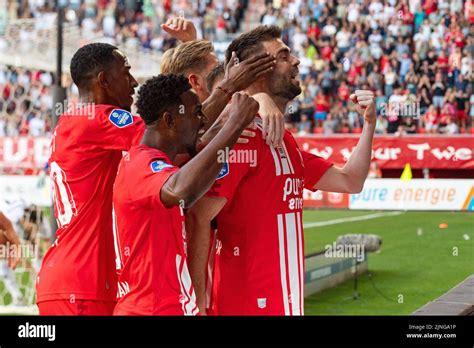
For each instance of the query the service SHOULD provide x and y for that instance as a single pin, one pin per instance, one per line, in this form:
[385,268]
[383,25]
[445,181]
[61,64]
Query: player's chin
[294,89]
[129,105]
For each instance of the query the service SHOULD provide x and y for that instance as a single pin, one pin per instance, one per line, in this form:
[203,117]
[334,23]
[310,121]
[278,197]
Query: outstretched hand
[180,28]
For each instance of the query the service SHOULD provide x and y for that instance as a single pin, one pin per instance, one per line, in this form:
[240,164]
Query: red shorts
[78,307]
[461,115]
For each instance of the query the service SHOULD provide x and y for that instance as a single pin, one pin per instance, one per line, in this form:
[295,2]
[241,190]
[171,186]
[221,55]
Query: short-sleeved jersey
[259,261]
[85,153]
[150,240]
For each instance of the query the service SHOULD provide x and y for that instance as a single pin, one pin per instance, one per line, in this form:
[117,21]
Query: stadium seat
[318,130]
[421,131]
[345,130]
[357,130]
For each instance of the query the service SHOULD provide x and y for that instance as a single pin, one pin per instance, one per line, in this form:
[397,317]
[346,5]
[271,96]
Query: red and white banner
[323,199]
[456,152]
[24,152]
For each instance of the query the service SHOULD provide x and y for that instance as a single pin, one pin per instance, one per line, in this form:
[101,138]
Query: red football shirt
[259,261]
[151,240]
[86,150]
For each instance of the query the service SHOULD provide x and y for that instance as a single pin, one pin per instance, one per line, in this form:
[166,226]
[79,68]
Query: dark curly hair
[89,60]
[158,94]
[250,43]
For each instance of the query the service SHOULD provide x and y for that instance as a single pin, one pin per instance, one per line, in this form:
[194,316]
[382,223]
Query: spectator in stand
[430,120]
[438,91]
[374,171]
[450,127]
[408,126]
[461,108]
[330,125]
[304,127]
[321,108]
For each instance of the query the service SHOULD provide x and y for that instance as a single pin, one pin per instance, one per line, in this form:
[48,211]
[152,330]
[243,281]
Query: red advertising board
[322,199]
[24,152]
[454,152]
[391,152]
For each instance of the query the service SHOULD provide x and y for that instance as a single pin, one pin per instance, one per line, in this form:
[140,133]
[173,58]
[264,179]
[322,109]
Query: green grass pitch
[410,270]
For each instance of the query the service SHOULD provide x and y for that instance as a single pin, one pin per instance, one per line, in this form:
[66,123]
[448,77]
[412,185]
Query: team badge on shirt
[224,171]
[158,166]
[120,118]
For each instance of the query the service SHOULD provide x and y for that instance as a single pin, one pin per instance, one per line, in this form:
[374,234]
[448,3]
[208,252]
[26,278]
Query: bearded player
[150,194]
[259,258]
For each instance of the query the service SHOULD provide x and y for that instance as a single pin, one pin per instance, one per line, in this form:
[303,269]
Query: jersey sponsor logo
[122,289]
[293,187]
[158,166]
[121,118]
[224,171]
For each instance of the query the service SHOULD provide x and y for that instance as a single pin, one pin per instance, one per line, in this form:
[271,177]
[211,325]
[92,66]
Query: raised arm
[196,177]
[351,177]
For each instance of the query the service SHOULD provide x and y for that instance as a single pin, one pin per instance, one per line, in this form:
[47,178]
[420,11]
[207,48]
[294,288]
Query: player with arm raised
[150,194]
[259,258]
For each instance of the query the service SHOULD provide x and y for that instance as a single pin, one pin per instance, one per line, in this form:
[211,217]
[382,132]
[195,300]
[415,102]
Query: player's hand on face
[11,237]
[364,99]
[242,110]
[272,119]
[240,75]
[180,28]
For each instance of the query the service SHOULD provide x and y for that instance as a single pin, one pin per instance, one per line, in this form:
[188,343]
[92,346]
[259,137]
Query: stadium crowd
[416,55]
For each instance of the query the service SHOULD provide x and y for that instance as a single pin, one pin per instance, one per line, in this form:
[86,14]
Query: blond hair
[187,57]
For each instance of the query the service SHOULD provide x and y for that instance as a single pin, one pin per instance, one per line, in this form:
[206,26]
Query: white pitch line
[350,219]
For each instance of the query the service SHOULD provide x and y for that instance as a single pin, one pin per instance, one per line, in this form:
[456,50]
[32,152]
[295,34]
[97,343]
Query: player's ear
[195,81]
[102,79]
[168,119]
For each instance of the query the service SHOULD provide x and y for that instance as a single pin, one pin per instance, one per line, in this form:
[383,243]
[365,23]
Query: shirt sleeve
[314,169]
[116,129]
[229,178]
[156,173]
